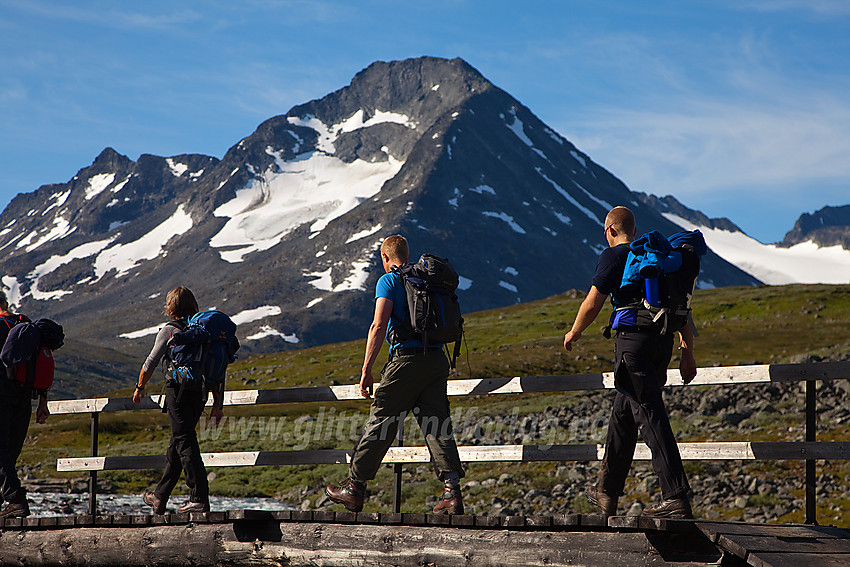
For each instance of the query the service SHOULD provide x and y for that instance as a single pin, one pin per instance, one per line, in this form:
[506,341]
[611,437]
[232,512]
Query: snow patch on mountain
[268,331]
[327,135]
[364,233]
[314,188]
[517,127]
[98,184]
[57,261]
[61,228]
[256,314]
[356,279]
[803,263]
[177,169]
[241,318]
[506,218]
[124,257]
[12,289]
[481,189]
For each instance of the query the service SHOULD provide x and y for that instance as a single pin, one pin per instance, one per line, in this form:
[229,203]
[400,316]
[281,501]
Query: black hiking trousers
[184,452]
[640,373]
[15,412]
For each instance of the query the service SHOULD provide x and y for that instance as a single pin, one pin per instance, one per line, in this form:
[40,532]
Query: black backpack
[435,315]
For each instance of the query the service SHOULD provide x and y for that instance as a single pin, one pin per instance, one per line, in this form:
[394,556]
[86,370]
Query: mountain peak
[829,226]
[282,232]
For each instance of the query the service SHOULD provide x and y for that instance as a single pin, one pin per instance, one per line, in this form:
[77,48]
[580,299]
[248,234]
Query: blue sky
[738,108]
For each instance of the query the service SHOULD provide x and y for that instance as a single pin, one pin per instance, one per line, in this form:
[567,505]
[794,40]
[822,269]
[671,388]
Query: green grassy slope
[758,325]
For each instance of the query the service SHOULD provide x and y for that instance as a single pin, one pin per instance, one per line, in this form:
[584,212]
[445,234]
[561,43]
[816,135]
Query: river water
[62,504]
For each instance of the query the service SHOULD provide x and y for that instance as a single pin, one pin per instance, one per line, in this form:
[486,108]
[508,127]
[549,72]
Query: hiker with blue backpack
[194,348]
[416,310]
[650,281]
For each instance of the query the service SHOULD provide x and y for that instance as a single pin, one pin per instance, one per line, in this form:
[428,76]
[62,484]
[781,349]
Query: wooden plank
[464,520]
[486,386]
[763,559]
[570,520]
[391,518]
[624,522]
[713,529]
[755,544]
[800,450]
[486,521]
[476,453]
[303,544]
[594,520]
[438,519]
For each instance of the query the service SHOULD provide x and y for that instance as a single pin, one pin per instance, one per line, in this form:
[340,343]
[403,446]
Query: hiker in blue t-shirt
[414,379]
[640,372]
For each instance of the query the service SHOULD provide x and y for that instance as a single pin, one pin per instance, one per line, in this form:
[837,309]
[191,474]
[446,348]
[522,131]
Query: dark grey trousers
[414,382]
[640,374]
[184,452]
[15,412]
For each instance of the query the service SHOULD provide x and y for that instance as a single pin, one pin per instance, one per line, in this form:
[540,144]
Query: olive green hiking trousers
[409,382]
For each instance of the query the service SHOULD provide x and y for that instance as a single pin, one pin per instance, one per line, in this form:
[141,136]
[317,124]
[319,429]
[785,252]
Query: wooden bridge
[295,538]
[393,538]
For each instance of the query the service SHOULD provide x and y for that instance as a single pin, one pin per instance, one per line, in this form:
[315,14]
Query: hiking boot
[451,502]
[350,493]
[607,504]
[15,510]
[154,502]
[190,506]
[675,508]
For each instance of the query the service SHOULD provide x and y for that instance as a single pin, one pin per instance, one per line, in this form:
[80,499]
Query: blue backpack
[662,272]
[200,353]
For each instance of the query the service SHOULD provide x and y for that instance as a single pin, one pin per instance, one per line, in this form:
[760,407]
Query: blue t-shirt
[391,286]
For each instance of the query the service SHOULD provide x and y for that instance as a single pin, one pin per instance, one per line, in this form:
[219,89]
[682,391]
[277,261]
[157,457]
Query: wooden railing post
[93,474]
[397,467]
[811,436]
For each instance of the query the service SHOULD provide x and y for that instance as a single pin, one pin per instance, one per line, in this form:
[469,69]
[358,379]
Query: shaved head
[621,219]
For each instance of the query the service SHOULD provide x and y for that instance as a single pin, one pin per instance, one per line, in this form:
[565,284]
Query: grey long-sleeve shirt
[160,346]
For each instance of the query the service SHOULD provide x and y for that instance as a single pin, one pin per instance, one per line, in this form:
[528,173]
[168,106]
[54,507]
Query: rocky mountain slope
[282,232]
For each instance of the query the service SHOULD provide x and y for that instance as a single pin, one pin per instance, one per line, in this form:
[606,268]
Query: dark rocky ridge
[829,226]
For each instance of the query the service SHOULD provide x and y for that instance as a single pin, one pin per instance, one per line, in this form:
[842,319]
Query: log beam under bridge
[243,537]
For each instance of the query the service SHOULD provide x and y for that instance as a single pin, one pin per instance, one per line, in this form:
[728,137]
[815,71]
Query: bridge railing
[809,450]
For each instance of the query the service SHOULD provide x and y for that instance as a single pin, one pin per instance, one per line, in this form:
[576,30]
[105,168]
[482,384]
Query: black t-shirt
[609,275]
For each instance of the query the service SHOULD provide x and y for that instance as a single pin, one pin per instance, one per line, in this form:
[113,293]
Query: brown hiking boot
[607,504]
[675,508]
[154,502]
[451,502]
[15,510]
[190,506]
[349,493]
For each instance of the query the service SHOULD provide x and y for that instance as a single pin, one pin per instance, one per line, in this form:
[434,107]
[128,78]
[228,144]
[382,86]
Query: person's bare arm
[377,331]
[139,393]
[687,364]
[587,313]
